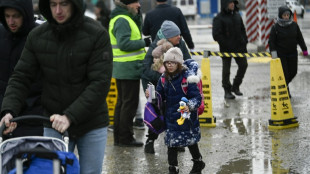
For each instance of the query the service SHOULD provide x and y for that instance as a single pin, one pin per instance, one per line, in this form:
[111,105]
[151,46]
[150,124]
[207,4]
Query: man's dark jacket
[75,60]
[154,19]
[11,46]
[228,29]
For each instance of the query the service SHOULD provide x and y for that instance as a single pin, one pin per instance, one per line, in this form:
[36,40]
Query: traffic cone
[281,109]
[111,100]
[206,119]
[295,17]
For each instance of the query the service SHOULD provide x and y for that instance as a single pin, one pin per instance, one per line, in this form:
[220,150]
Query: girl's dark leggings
[173,154]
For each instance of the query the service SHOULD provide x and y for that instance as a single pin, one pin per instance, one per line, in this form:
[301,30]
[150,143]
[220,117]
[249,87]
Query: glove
[274,54]
[305,53]
[147,41]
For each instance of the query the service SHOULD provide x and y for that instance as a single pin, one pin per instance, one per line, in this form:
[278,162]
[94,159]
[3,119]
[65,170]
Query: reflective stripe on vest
[126,56]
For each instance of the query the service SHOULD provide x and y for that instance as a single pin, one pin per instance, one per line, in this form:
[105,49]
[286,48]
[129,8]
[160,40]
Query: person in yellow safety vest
[128,55]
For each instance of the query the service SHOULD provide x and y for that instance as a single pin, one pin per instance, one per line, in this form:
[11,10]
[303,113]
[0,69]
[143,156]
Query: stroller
[36,154]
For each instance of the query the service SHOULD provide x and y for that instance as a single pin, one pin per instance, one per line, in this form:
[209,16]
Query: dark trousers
[290,67]
[173,154]
[151,135]
[242,66]
[125,109]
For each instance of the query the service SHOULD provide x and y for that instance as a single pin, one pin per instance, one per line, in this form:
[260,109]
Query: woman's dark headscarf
[283,22]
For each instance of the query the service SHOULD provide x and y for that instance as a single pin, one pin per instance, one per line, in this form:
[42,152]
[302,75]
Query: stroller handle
[30,117]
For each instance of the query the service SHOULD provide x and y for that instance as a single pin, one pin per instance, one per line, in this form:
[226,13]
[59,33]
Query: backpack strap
[184,85]
[162,79]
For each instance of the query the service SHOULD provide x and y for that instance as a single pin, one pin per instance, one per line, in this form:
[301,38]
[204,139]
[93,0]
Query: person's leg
[173,159]
[91,148]
[138,124]
[194,150]
[285,65]
[117,112]
[199,165]
[226,61]
[285,68]
[292,66]
[242,67]
[130,100]
[149,144]
[139,110]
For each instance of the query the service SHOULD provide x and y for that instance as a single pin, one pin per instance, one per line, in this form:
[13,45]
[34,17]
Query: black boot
[198,166]
[228,94]
[173,170]
[149,146]
[236,90]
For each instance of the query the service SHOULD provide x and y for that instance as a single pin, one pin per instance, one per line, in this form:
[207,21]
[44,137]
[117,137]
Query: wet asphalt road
[241,142]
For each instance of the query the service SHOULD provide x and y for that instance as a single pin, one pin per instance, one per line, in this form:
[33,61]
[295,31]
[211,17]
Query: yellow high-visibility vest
[126,56]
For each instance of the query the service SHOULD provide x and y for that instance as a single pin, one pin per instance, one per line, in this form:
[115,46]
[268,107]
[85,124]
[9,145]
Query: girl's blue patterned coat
[171,93]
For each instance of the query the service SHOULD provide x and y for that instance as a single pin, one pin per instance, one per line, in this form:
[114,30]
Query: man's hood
[79,8]
[224,5]
[25,8]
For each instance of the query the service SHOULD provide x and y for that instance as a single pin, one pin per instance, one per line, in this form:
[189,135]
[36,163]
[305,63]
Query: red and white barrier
[258,25]
[252,20]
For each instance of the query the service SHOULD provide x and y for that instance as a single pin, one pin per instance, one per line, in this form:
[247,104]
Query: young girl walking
[171,91]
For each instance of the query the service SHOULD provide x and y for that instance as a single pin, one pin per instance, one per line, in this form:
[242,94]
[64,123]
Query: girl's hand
[147,93]
[186,109]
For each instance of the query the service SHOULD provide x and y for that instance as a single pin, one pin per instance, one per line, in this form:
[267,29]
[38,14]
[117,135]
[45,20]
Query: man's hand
[60,122]
[274,54]
[10,126]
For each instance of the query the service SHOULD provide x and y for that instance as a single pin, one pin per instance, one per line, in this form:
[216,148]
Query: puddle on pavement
[261,156]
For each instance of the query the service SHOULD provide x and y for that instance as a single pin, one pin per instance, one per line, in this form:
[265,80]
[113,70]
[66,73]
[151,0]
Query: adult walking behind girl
[284,37]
